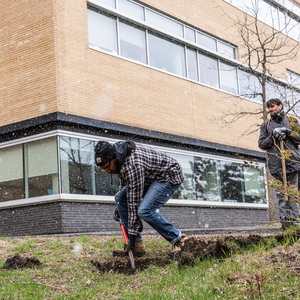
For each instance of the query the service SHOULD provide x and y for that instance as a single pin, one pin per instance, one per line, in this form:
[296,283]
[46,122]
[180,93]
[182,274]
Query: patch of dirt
[123,266]
[196,247]
[18,262]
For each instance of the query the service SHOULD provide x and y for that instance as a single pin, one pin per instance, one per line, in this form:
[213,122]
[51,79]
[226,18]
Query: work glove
[131,243]
[116,215]
[141,227]
[280,133]
[117,218]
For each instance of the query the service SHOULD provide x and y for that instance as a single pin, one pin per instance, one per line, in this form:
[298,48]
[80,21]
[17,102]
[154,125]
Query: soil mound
[194,248]
[18,262]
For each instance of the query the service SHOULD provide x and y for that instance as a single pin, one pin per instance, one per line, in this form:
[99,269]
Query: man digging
[149,178]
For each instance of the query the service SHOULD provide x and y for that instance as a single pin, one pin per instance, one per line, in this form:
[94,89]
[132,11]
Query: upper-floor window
[136,32]
[135,41]
[293,91]
[293,78]
[165,24]
[283,15]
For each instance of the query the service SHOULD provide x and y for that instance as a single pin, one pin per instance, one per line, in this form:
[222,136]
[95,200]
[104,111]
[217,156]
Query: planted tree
[262,48]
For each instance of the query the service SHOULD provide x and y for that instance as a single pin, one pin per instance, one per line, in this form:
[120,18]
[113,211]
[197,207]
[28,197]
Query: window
[293,79]
[270,13]
[31,170]
[11,175]
[187,188]
[79,172]
[249,86]
[209,73]
[192,64]
[108,2]
[254,187]
[167,24]
[132,9]
[274,90]
[190,34]
[166,55]
[226,50]
[206,41]
[228,78]
[41,167]
[102,31]
[77,166]
[231,177]
[293,100]
[133,43]
[207,179]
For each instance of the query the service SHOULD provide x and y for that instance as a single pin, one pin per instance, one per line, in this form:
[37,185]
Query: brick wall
[28,75]
[71,218]
[48,66]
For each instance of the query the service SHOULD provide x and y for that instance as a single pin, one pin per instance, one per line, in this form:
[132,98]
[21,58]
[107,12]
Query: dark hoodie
[123,149]
[268,143]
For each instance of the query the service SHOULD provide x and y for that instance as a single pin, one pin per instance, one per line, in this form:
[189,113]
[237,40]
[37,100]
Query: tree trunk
[271,199]
[285,186]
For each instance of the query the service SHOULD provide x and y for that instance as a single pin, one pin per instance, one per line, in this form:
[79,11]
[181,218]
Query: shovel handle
[124,232]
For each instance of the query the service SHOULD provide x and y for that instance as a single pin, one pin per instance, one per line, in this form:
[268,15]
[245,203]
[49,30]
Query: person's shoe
[139,250]
[286,222]
[177,247]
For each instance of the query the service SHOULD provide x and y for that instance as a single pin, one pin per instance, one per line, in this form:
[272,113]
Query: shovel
[125,236]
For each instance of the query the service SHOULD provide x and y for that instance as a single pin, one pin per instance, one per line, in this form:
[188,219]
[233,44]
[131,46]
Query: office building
[169,74]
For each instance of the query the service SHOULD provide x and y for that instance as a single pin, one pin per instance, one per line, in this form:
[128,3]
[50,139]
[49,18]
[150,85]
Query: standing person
[272,132]
[149,178]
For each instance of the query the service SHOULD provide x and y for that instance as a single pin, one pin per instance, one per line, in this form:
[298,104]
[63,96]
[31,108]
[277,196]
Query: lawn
[211,267]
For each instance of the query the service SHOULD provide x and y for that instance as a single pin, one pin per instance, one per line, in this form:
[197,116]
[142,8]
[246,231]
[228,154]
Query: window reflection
[132,9]
[206,41]
[190,34]
[133,42]
[249,86]
[102,31]
[228,78]
[232,177]
[41,171]
[226,50]
[192,64]
[160,21]
[254,184]
[206,179]
[11,175]
[209,73]
[187,188]
[77,166]
[166,55]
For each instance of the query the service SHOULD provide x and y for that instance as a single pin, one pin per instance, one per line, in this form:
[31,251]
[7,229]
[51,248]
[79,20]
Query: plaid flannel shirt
[143,167]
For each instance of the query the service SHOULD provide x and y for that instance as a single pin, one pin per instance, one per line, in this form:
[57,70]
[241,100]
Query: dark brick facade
[80,218]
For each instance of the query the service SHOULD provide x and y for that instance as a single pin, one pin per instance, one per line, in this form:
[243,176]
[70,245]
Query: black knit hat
[104,152]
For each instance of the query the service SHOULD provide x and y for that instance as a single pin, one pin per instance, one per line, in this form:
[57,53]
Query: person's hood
[123,150]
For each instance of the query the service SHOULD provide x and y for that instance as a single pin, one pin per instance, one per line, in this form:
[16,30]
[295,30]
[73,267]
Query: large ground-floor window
[65,164]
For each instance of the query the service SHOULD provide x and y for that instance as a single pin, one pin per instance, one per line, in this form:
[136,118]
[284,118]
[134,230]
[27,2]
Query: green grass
[268,270]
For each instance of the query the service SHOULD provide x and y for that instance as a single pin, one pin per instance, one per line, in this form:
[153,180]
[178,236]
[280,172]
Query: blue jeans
[156,196]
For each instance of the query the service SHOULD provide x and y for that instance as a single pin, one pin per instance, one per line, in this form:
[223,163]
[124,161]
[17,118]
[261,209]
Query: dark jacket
[140,166]
[268,143]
